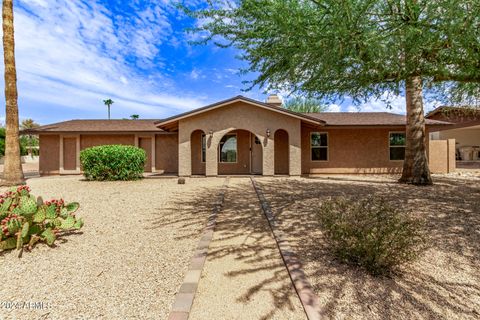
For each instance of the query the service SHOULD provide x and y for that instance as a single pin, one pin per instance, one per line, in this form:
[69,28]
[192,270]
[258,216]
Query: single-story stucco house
[245,136]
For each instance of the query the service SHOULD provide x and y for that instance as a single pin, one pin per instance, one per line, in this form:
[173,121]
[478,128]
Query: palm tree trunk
[415,166]
[13,174]
[108,112]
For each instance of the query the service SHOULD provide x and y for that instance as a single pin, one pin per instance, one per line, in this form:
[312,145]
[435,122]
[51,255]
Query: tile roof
[140,125]
[152,125]
[366,119]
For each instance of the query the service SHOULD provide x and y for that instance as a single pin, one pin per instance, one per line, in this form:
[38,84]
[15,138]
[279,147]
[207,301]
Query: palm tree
[29,124]
[12,173]
[32,140]
[108,103]
[135,117]
[304,105]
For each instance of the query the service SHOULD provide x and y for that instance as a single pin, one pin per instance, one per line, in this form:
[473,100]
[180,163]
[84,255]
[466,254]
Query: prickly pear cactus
[25,219]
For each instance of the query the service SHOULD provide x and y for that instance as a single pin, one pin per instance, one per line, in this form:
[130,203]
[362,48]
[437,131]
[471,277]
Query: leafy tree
[29,124]
[108,103]
[300,104]
[362,49]
[13,174]
[28,141]
[135,117]
[2,141]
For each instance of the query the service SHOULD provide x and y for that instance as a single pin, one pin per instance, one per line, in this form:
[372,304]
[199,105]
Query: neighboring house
[245,136]
[465,130]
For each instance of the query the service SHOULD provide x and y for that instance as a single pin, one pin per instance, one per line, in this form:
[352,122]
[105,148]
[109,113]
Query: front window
[228,148]
[204,147]
[319,146]
[397,143]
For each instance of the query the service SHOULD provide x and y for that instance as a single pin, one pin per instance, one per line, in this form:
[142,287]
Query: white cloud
[397,104]
[333,108]
[73,54]
[195,74]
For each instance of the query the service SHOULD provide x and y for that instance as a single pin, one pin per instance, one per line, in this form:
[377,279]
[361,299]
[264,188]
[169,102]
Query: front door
[256,155]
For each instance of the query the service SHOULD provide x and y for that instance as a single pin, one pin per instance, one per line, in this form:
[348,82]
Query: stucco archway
[281,152]
[240,151]
[198,152]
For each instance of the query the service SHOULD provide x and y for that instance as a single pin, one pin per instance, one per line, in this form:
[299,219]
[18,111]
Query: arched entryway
[281,152]
[198,148]
[240,152]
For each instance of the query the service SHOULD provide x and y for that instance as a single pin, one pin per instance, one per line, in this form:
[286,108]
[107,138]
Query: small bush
[25,219]
[371,233]
[113,162]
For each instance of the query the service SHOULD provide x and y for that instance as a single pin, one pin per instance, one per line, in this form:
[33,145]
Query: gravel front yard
[244,277]
[127,262]
[443,284]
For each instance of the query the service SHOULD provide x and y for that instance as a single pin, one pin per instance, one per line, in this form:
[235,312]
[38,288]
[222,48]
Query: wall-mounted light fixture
[268,133]
[210,133]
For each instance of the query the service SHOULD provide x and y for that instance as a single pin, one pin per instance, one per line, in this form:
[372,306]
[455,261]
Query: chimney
[274,100]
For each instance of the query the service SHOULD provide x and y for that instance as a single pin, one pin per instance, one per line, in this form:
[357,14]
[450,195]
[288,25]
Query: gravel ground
[443,284]
[244,276]
[127,262]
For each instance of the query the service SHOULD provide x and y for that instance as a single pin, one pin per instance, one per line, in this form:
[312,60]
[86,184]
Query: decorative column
[295,151]
[78,154]
[211,163]
[268,156]
[184,152]
[153,152]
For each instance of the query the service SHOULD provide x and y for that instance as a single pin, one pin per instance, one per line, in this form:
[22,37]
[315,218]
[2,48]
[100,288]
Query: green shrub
[2,141]
[113,162]
[25,220]
[371,233]
[24,143]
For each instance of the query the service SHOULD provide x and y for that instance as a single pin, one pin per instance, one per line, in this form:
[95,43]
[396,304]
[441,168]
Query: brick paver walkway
[244,276]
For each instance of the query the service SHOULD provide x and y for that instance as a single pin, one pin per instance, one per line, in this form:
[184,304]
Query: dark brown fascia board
[381,126]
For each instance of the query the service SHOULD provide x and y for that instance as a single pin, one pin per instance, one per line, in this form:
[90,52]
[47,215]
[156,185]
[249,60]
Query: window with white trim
[397,142]
[319,146]
[228,148]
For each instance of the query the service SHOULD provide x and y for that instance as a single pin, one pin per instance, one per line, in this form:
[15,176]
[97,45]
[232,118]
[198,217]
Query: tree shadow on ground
[443,283]
[245,239]
[195,206]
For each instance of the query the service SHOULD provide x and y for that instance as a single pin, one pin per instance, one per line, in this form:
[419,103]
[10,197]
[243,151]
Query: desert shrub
[113,162]
[25,219]
[371,233]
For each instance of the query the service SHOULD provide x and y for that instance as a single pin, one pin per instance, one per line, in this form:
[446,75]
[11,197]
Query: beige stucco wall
[355,150]
[166,150]
[166,153]
[87,141]
[441,155]
[49,163]
[462,136]
[239,115]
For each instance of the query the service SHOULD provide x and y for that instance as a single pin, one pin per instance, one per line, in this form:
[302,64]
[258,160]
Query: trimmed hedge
[113,162]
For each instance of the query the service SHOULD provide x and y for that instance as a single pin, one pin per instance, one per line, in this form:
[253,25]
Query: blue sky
[72,54]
